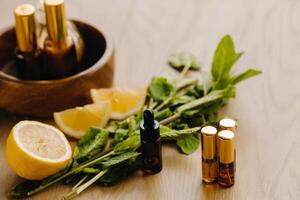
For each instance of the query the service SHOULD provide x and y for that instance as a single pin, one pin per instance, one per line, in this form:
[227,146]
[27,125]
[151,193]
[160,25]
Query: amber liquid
[209,170]
[151,156]
[226,174]
[28,65]
[60,59]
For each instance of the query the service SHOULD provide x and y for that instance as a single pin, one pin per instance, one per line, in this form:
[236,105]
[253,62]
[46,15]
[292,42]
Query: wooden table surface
[267,107]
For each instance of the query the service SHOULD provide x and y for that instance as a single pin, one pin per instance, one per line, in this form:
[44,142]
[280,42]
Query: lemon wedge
[123,102]
[74,122]
[35,150]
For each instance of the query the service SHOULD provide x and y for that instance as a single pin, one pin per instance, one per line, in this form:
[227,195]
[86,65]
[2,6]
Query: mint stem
[163,104]
[73,171]
[179,92]
[211,97]
[185,70]
[79,182]
[170,119]
[174,134]
[81,188]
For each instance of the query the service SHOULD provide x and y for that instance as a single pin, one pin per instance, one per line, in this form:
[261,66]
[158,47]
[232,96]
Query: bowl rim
[99,64]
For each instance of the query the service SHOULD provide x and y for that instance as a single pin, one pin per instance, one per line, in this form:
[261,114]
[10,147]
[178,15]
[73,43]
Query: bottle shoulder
[64,45]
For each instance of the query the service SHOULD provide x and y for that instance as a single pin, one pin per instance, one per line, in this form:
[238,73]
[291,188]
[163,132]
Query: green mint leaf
[89,170]
[117,173]
[160,89]
[25,188]
[163,114]
[245,75]
[196,92]
[164,130]
[180,60]
[130,144]
[212,117]
[188,144]
[119,159]
[224,58]
[178,125]
[211,97]
[167,133]
[112,126]
[215,106]
[207,83]
[21,190]
[119,136]
[94,141]
[132,125]
[182,99]
[184,82]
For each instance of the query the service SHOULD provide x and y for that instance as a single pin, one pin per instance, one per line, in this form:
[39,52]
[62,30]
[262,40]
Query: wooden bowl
[42,98]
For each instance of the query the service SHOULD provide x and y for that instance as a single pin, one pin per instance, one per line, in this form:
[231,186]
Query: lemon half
[36,150]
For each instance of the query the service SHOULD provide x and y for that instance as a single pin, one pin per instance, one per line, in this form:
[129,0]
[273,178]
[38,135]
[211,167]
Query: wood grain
[267,107]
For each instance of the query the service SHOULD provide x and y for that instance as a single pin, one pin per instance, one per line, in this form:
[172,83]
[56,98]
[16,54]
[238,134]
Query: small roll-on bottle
[150,144]
[228,124]
[27,53]
[226,158]
[209,154]
[231,125]
[59,53]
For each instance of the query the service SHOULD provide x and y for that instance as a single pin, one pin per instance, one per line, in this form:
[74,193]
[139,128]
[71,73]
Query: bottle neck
[25,28]
[56,20]
[150,134]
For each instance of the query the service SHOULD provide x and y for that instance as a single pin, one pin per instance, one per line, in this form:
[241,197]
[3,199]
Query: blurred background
[146,32]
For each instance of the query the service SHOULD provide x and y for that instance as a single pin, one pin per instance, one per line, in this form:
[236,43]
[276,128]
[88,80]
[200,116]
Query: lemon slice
[74,122]
[35,150]
[123,102]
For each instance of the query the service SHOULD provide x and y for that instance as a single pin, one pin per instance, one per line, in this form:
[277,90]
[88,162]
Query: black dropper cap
[149,128]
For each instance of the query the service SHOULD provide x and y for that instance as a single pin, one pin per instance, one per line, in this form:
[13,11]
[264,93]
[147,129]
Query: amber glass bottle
[231,125]
[27,54]
[209,154]
[59,49]
[226,158]
[71,29]
[150,144]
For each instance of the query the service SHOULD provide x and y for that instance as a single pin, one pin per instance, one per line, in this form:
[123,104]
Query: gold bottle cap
[208,142]
[25,27]
[226,146]
[56,19]
[228,124]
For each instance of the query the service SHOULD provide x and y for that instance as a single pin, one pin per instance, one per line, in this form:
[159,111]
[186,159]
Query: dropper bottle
[150,144]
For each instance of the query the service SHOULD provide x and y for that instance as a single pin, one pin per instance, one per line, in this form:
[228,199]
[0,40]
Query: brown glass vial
[228,124]
[27,54]
[150,144]
[226,158]
[209,154]
[231,125]
[59,56]
[71,29]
